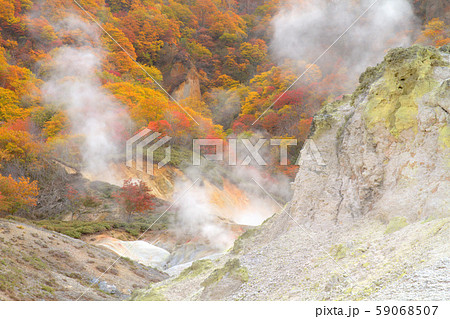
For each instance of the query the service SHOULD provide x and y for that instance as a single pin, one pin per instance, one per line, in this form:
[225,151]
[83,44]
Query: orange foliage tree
[436,33]
[17,195]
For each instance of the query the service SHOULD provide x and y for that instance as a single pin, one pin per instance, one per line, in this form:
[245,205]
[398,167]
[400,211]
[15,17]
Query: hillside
[376,217]
[37,264]
[102,103]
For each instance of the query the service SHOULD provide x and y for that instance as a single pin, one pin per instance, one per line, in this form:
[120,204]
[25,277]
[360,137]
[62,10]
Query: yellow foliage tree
[9,106]
[56,124]
[144,104]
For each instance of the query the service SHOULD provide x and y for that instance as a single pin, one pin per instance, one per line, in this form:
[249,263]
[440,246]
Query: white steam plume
[195,217]
[93,114]
[202,214]
[303,30]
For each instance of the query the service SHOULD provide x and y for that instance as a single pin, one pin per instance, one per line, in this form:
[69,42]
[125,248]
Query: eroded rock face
[190,83]
[386,148]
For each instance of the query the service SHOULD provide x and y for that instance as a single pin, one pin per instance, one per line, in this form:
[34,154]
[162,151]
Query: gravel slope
[37,264]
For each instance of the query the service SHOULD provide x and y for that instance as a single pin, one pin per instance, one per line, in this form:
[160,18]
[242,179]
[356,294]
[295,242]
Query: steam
[195,218]
[207,211]
[303,30]
[225,106]
[93,114]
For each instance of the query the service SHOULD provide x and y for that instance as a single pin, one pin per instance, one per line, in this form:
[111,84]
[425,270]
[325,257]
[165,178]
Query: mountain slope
[376,215]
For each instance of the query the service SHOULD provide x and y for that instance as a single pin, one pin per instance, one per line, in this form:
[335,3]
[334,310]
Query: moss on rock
[232,268]
[366,79]
[198,267]
[445,48]
[154,294]
[338,251]
[239,243]
[396,224]
[444,136]
[407,76]
[326,117]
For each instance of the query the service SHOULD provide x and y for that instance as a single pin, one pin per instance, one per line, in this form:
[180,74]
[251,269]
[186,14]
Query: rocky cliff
[370,216]
[385,147]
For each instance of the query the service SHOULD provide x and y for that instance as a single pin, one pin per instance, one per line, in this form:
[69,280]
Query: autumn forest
[184,68]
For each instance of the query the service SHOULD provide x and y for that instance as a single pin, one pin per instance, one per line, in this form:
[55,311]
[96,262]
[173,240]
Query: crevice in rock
[444,110]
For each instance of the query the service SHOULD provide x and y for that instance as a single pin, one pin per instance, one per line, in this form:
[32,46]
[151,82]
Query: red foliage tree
[134,197]
[271,122]
[292,97]
[243,123]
